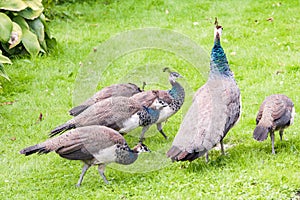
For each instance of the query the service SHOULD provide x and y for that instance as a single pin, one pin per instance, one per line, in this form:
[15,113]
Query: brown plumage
[120,113]
[111,112]
[215,109]
[94,145]
[275,113]
[146,97]
[126,90]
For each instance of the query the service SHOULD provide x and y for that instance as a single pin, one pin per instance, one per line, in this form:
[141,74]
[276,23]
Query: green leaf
[28,13]
[19,49]
[12,5]
[5,27]
[38,27]
[30,42]
[21,21]
[44,48]
[16,35]
[2,72]
[34,4]
[4,59]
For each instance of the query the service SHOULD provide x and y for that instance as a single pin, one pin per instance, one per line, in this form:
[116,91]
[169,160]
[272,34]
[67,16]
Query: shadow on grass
[243,155]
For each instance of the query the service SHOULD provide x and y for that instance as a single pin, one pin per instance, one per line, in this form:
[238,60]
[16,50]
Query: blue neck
[176,90]
[218,61]
[153,113]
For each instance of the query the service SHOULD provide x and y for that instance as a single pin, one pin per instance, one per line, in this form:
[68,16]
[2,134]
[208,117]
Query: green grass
[256,49]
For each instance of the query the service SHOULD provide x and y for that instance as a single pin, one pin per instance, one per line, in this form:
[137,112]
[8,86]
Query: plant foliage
[23,30]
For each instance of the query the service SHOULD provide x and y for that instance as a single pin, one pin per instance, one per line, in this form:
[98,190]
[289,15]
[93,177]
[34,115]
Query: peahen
[94,145]
[126,90]
[215,109]
[175,101]
[119,113]
[275,113]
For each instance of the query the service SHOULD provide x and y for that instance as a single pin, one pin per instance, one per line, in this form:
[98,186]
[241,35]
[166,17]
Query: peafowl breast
[275,113]
[146,99]
[215,109]
[94,145]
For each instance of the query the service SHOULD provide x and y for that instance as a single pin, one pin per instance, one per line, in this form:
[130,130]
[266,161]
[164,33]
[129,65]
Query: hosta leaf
[12,5]
[28,13]
[2,72]
[4,59]
[16,35]
[12,51]
[34,4]
[30,42]
[44,46]
[5,27]
[21,21]
[38,27]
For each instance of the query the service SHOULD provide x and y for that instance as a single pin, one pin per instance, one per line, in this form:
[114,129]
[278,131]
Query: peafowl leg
[159,128]
[144,130]
[84,169]
[222,147]
[206,157]
[101,169]
[272,140]
[281,134]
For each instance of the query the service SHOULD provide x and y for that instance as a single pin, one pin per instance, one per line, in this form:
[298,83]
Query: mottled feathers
[275,113]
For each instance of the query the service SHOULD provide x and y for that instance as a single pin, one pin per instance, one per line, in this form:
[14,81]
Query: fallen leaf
[277,4]
[270,19]
[279,72]
[7,103]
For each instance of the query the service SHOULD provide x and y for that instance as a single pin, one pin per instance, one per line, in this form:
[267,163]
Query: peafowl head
[173,75]
[157,104]
[159,101]
[218,31]
[140,148]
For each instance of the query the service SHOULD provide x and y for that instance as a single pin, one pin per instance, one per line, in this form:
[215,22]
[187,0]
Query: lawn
[262,45]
